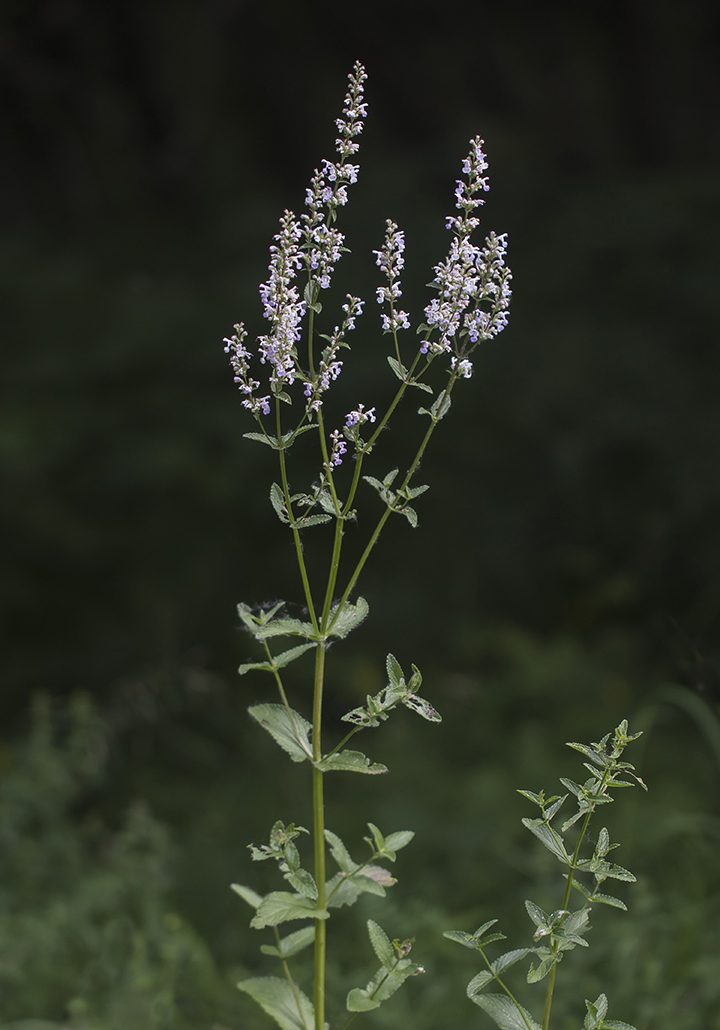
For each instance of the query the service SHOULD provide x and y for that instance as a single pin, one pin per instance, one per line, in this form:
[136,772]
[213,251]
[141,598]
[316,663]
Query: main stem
[319,840]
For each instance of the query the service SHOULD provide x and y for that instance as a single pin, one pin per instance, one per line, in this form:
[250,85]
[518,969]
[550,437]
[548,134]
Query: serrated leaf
[603,899]
[479,981]
[591,753]
[460,937]
[284,628]
[340,853]
[421,386]
[398,368]
[280,906]
[551,839]
[247,894]
[535,975]
[537,915]
[312,520]
[399,839]
[381,944]
[485,926]
[573,787]
[394,671]
[350,761]
[505,1012]
[411,515]
[531,796]
[291,944]
[278,502]
[261,438]
[349,618]
[278,999]
[509,959]
[358,1001]
[553,810]
[292,734]
[345,890]
[422,707]
[616,1024]
[441,406]
[491,938]
[303,883]
[279,661]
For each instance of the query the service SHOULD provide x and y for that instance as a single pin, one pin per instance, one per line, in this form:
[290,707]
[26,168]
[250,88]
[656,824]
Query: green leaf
[394,671]
[349,618]
[290,731]
[340,853]
[591,753]
[303,883]
[349,761]
[540,918]
[344,889]
[422,707]
[616,1024]
[279,661]
[291,944]
[358,1001]
[535,975]
[399,839]
[497,967]
[280,906]
[399,369]
[485,926]
[278,502]
[411,515]
[461,937]
[278,999]
[311,520]
[602,899]
[550,838]
[262,438]
[284,628]
[381,944]
[377,836]
[247,894]
[421,386]
[505,1012]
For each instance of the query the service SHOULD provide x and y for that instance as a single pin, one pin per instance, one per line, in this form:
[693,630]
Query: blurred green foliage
[104,923]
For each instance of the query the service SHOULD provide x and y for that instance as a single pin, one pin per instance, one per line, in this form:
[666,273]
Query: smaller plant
[562,930]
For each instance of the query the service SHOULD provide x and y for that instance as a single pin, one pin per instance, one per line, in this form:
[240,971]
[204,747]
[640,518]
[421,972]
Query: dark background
[570,537]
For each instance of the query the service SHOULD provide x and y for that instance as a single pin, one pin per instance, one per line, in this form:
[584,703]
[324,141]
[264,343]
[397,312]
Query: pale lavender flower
[390,259]
[339,447]
[330,367]
[240,364]
[463,366]
[323,245]
[469,277]
[282,305]
[359,416]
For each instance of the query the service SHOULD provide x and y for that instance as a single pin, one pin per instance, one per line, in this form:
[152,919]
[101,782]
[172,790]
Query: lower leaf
[505,1012]
[290,1009]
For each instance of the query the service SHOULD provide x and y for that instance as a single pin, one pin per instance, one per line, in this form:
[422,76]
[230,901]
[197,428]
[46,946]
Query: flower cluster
[359,416]
[282,305]
[322,244]
[470,277]
[339,447]
[330,367]
[240,364]
[391,261]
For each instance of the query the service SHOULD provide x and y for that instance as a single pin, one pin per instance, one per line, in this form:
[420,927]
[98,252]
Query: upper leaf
[350,761]
[350,617]
[280,906]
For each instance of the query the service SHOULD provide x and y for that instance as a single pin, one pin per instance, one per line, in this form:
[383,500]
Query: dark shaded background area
[148,150]
[568,559]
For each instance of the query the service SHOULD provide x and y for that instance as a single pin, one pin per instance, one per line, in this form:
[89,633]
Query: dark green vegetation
[148,152]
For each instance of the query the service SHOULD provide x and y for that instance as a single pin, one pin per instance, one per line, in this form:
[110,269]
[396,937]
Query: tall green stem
[319,839]
[566,900]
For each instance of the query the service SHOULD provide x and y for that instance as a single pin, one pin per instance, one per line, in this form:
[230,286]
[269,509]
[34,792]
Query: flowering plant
[300,366]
